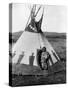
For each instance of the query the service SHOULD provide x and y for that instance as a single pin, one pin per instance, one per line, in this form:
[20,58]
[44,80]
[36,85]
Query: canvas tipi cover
[30,41]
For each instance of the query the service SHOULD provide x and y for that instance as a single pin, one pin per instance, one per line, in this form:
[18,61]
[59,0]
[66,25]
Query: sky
[54,19]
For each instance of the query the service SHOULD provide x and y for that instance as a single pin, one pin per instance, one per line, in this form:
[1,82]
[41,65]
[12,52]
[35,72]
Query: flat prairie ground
[35,75]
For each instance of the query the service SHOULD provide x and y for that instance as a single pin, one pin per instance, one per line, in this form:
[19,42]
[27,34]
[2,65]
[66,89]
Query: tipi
[31,40]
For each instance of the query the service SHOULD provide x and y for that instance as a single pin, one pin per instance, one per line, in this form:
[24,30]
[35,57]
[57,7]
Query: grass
[25,80]
[24,75]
